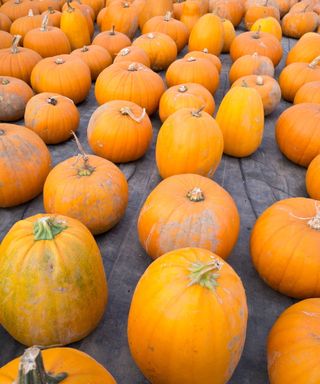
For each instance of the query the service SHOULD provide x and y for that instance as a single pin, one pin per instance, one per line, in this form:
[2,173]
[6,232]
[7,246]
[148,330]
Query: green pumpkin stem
[86,169]
[205,274]
[32,371]
[47,228]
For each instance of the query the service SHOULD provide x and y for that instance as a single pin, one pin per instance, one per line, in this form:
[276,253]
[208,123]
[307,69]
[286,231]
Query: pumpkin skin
[93,191]
[232,10]
[269,25]
[54,17]
[282,241]
[267,87]
[189,141]
[130,81]
[5,22]
[14,95]
[153,8]
[305,50]
[164,292]
[229,34]
[78,366]
[263,43]
[258,12]
[69,76]
[207,33]
[308,93]
[52,264]
[299,138]
[15,9]
[24,165]
[313,178]
[44,5]
[191,13]
[204,54]
[52,117]
[297,24]
[188,210]
[25,24]
[133,54]
[112,41]
[251,65]
[188,95]
[293,345]
[5,39]
[119,131]
[241,120]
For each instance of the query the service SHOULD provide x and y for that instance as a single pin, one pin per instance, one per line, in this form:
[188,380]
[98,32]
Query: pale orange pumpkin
[113,41]
[133,54]
[305,50]
[269,25]
[297,24]
[313,178]
[308,93]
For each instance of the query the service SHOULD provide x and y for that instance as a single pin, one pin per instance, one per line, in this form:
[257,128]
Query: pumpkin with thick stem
[313,178]
[285,247]
[296,24]
[204,54]
[25,24]
[189,141]
[119,131]
[25,162]
[133,54]
[308,93]
[188,210]
[15,9]
[190,305]
[54,17]
[269,25]
[113,41]
[54,365]
[305,50]
[54,261]
[258,11]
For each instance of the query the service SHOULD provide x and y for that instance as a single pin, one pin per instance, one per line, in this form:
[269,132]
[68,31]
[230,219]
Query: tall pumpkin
[176,302]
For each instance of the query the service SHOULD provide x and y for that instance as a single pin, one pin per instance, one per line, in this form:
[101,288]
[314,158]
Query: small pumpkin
[189,141]
[296,24]
[14,95]
[204,54]
[96,5]
[258,11]
[5,39]
[188,210]
[284,6]
[133,54]
[119,131]
[113,41]
[5,22]
[285,238]
[52,117]
[305,50]
[308,93]
[313,178]
[229,34]
[189,289]
[269,25]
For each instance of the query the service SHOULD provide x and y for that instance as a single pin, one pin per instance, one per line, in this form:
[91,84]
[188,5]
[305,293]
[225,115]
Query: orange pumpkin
[130,81]
[229,35]
[305,50]
[96,5]
[232,10]
[297,24]
[313,178]
[133,54]
[86,11]
[284,6]
[88,188]
[188,95]
[25,24]
[5,22]
[191,12]
[189,141]
[100,16]
[308,93]
[256,12]
[189,290]
[269,25]
[54,17]
[293,345]
[204,54]
[153,8]
[298,133]
[14,95]
[112,41]
[188,210]
[285,244]
[15,9]
[177,8]
[69,76]
[24,165]
[5,39]
[44,5]
[64,364]
[119,131]
[52,117]
[61,269]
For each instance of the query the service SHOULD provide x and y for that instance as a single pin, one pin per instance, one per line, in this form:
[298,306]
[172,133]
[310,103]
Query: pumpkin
[54,17]
[189,141]
[193,70]
[133,53]
[69,76]
[269,25]
[260,11]
[285,244]
[191,12]
[305,50]
[96,57]
[263,43]
[308,93]
[297,24]
[177,8]
[241,120]
[100,16]
[96,5]
[24,165]
[66,365]
[313,178]
[5,22]
[169,26]
[47,41]
[52,117]
[119,131]
[176,302]
[132,82]
[153,8]
[267,87]
[88,188]
[112,41]
[25,24]
[44,5]
[251,65]
[15,9]
[5,39]
[14,95]
[207,33]
[232,10]
[295,75]
[160,48]
[62,271]
[188,95]
[86,11]
[298,133]
[229,35]
[204,54]
[293,344]
[284,6]
[18,62]
[188,210]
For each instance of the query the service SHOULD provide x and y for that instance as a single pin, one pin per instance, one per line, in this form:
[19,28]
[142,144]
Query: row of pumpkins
[60,294]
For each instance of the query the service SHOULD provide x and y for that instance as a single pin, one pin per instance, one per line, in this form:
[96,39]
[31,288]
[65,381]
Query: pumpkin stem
[203,273]
[150,35]
[15,42]
[314,222]
[44,24]
[124,52]
[113,30]
[84,49]
[167,16]
[4,81]
[128,111]
[205,50]
[51,100]
[190,59]
[51,10]
[30,12]
[314,62]
[70,8]
[183,88]
[259,80]
[244,84]
[195,194]
[2,132]
[47,228]
[133,67]
[126,5]
[59,60]
[86,169]
[197,113]
[256,35]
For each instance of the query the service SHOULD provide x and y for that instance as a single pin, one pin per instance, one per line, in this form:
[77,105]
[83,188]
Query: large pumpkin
[189,141]
[52,282]
[190,307]
[188,211]
[24,165]
[65,365]
[285,247]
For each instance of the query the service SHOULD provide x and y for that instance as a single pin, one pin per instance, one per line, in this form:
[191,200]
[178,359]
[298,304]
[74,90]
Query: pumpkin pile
[140,60]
